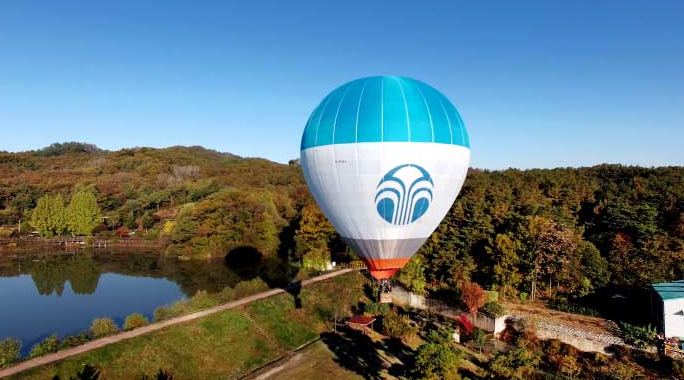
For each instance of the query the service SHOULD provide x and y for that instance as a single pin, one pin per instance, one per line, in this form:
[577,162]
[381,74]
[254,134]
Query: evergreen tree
[49,217]
[83,213]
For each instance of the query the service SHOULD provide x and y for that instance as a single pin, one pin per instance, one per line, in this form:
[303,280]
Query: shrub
[466,325]
[638,336]
[10,351]
[397,326]
[74,340]
[375,308]
[161,313]
[134,321]
[103,327]
[226,295]
[493,309]
[247,288]
[201,300]
[492,296]
[46,346]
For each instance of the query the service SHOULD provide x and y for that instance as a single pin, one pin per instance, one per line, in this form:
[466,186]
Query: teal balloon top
[385,109]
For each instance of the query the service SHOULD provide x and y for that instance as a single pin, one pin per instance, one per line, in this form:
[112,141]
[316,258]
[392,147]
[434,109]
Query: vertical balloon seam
[382,139]
[432,127]
[356,144]
[450,110]
[318,168]
[337,180]
[446,114]
[408,119]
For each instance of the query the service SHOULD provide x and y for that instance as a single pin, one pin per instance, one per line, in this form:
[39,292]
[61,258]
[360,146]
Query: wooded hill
[521,232]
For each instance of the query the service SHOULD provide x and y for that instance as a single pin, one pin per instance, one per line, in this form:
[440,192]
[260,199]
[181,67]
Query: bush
[247,288]
[397,326]
[103,327]
[638,336]
[74,340]
[375,308]
[492,296]
[201,300]
[226,295]
[10,351]
[134,321]
[161,313]
[46,346]
[493,309]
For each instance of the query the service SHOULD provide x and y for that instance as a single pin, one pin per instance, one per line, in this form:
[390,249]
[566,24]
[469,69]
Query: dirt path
[153,327]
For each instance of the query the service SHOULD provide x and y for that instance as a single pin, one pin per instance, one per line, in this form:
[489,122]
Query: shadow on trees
[276,271]
[357,352]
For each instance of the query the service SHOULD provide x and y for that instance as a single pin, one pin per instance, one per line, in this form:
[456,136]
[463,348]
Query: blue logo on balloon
[404,194]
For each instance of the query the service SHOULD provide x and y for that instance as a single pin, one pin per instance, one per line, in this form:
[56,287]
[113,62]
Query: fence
[482,321]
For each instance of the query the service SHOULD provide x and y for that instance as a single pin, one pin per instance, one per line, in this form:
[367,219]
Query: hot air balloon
[385,158]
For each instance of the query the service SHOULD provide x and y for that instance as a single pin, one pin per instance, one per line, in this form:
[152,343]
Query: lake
[63,293]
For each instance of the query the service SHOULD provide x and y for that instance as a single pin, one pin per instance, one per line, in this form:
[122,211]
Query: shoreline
[27,246]
[95,344]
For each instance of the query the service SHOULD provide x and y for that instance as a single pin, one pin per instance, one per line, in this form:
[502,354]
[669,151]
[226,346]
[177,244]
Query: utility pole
[19,226]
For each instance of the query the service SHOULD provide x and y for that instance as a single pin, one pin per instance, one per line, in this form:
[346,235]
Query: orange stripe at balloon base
[382,269]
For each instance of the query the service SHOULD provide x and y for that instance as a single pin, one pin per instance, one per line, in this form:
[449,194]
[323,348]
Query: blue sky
[538,84]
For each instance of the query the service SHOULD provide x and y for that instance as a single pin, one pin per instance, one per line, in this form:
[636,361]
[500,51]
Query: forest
[575,232]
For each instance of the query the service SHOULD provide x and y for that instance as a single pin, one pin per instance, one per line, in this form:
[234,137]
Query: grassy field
[316,361]
[221,346]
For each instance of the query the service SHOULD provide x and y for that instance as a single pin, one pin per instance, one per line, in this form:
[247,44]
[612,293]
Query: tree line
[522,233]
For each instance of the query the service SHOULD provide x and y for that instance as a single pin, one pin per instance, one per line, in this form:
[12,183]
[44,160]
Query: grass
[315,362]
[220,346]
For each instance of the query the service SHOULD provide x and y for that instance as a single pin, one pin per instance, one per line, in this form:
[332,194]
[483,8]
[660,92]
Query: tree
[83,213]
[412,275]
[507,260]
[473,296]
[480,338]
[594,266]
[49,216]
[551,247]
[315,231]
[436,361]
[518,363]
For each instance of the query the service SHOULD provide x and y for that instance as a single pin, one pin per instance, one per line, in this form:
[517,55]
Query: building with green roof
[668,307]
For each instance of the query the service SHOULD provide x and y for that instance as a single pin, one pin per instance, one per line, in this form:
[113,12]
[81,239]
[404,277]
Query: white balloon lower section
[344,180]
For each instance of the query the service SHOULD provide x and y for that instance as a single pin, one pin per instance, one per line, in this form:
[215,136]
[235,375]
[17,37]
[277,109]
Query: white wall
[674,320]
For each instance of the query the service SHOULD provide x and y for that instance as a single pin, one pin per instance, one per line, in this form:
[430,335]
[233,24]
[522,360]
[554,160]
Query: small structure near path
[361,322]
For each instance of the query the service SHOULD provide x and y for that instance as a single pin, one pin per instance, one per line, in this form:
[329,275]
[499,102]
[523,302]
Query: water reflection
[62,293]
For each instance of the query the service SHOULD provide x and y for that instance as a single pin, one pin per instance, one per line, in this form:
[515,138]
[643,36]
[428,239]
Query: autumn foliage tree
[473,296]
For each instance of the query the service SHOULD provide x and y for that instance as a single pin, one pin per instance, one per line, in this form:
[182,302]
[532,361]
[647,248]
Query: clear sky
[538,84]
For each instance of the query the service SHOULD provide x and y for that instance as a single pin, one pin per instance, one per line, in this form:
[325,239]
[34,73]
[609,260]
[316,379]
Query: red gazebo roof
[361,320]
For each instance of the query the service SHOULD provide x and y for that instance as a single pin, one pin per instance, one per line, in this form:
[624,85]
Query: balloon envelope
[385,158]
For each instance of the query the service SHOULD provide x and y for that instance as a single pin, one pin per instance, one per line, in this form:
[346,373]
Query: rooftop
[361,320]
[670,290]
